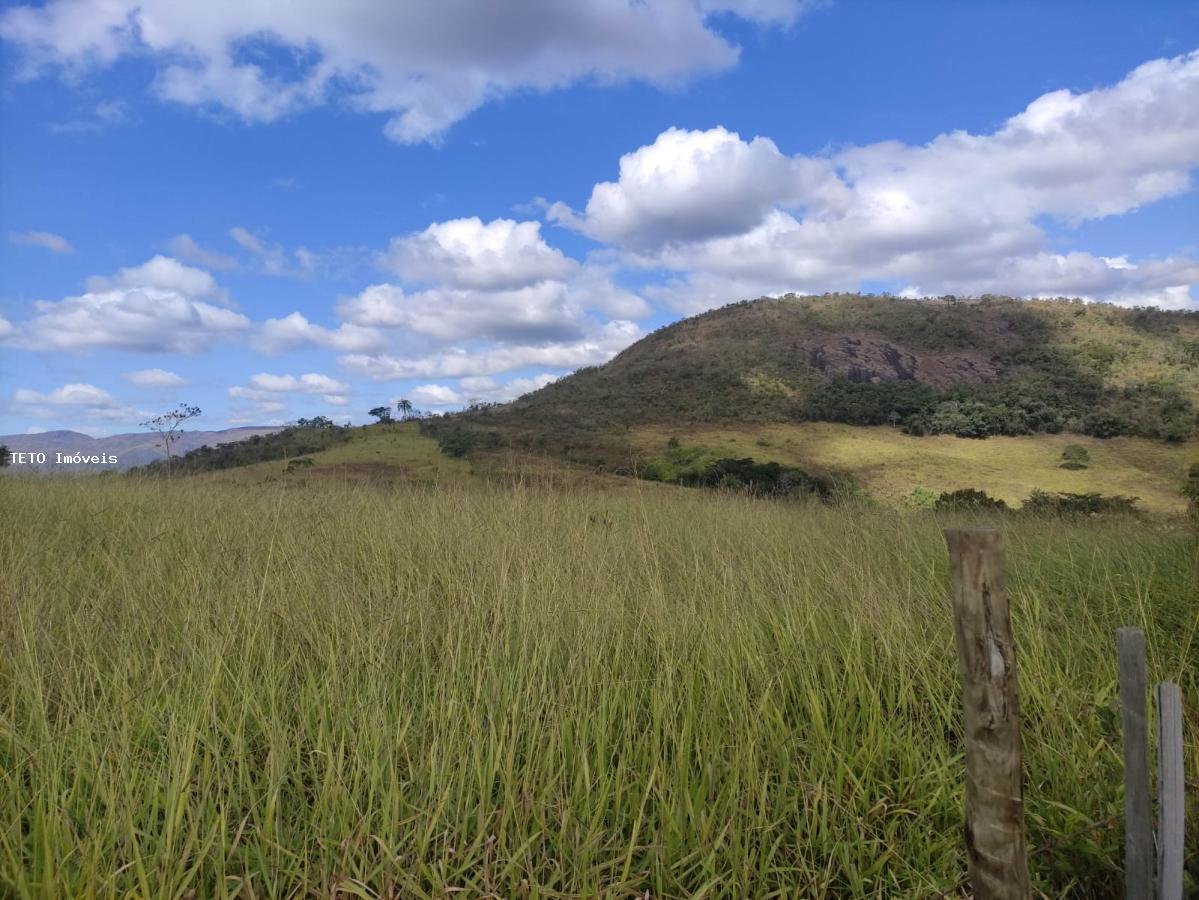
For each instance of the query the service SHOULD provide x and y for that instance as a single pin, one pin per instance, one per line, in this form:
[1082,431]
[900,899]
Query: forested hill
[972,368]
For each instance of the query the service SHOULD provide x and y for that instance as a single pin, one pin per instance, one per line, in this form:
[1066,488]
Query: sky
[274,211]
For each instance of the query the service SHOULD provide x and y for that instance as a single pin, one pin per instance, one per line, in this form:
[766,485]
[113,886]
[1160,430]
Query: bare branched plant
[169,427]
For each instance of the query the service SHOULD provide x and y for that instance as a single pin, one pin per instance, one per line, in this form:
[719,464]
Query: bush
[1075,456]
[762,479]
[699,467]
[459,442]
[969,499]
[922,498]
[1044,503]
[1104,424]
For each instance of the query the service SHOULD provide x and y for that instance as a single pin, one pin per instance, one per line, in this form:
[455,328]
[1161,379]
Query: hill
[970,368]
[131,449]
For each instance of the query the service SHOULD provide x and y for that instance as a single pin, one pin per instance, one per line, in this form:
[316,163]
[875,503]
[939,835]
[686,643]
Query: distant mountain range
[135,449]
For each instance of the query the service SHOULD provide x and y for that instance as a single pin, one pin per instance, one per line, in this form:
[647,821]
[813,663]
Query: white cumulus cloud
[422,65]
[470,254]
[162,273]
[458,362]
[963,213]
[84,399]
[152,308]
[691,185]
[155,378]
[294,331]
[264,388]
[148,321]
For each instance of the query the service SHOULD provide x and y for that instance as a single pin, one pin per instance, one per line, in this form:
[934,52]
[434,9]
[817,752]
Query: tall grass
[251,691]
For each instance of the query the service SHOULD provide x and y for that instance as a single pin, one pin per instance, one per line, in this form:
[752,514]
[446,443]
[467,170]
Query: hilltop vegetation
[304,437]
[970,368]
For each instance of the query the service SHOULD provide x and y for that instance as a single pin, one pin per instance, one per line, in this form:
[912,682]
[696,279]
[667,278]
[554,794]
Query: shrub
[969,499]
[1075,456]
[699,467]
[1104,424]
[459,442]
[922,498]
[1045,503]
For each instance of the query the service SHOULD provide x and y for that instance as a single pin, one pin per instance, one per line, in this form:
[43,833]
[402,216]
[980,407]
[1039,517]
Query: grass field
[244,690]
[889,464]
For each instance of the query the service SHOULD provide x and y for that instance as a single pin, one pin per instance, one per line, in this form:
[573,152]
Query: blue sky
[274,211]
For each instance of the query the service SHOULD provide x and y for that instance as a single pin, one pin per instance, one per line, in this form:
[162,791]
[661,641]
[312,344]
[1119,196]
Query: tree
[382,413]
[405,408]
[1075,456]
[315,422]
[169,427]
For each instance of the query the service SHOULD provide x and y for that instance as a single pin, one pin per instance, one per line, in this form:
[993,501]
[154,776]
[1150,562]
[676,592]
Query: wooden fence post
[1170,805]
[994,766]
[1138,817]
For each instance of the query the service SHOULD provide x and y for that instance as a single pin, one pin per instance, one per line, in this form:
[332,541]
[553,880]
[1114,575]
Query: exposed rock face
[862,356]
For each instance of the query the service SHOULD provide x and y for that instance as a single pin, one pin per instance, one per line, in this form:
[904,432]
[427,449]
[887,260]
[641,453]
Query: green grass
[889,465]
[392,453]
[245,690]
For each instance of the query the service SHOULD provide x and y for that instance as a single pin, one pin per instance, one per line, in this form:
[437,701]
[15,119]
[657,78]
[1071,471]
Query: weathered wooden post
[994,761]
[1170,800]
[1138,816]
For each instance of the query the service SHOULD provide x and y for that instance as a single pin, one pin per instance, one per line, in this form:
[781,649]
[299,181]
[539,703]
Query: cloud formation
[477,388]
[459,362]
[294,331]
[423,66]
[495,292]
[184,247]
[266,387]
[47,240]
[161,306]
[74,399]
[165,274]
[155,378]
[468,254]
[962,214]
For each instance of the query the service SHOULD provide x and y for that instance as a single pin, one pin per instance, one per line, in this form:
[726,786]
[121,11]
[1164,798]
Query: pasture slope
[887,464]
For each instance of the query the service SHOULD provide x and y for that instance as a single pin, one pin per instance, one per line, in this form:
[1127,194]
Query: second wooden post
[994,763]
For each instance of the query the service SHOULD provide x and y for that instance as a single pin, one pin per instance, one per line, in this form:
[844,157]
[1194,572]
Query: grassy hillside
[890,465]
[394,453]
[397,453]
[970,368]
[885,463]
[403,693]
